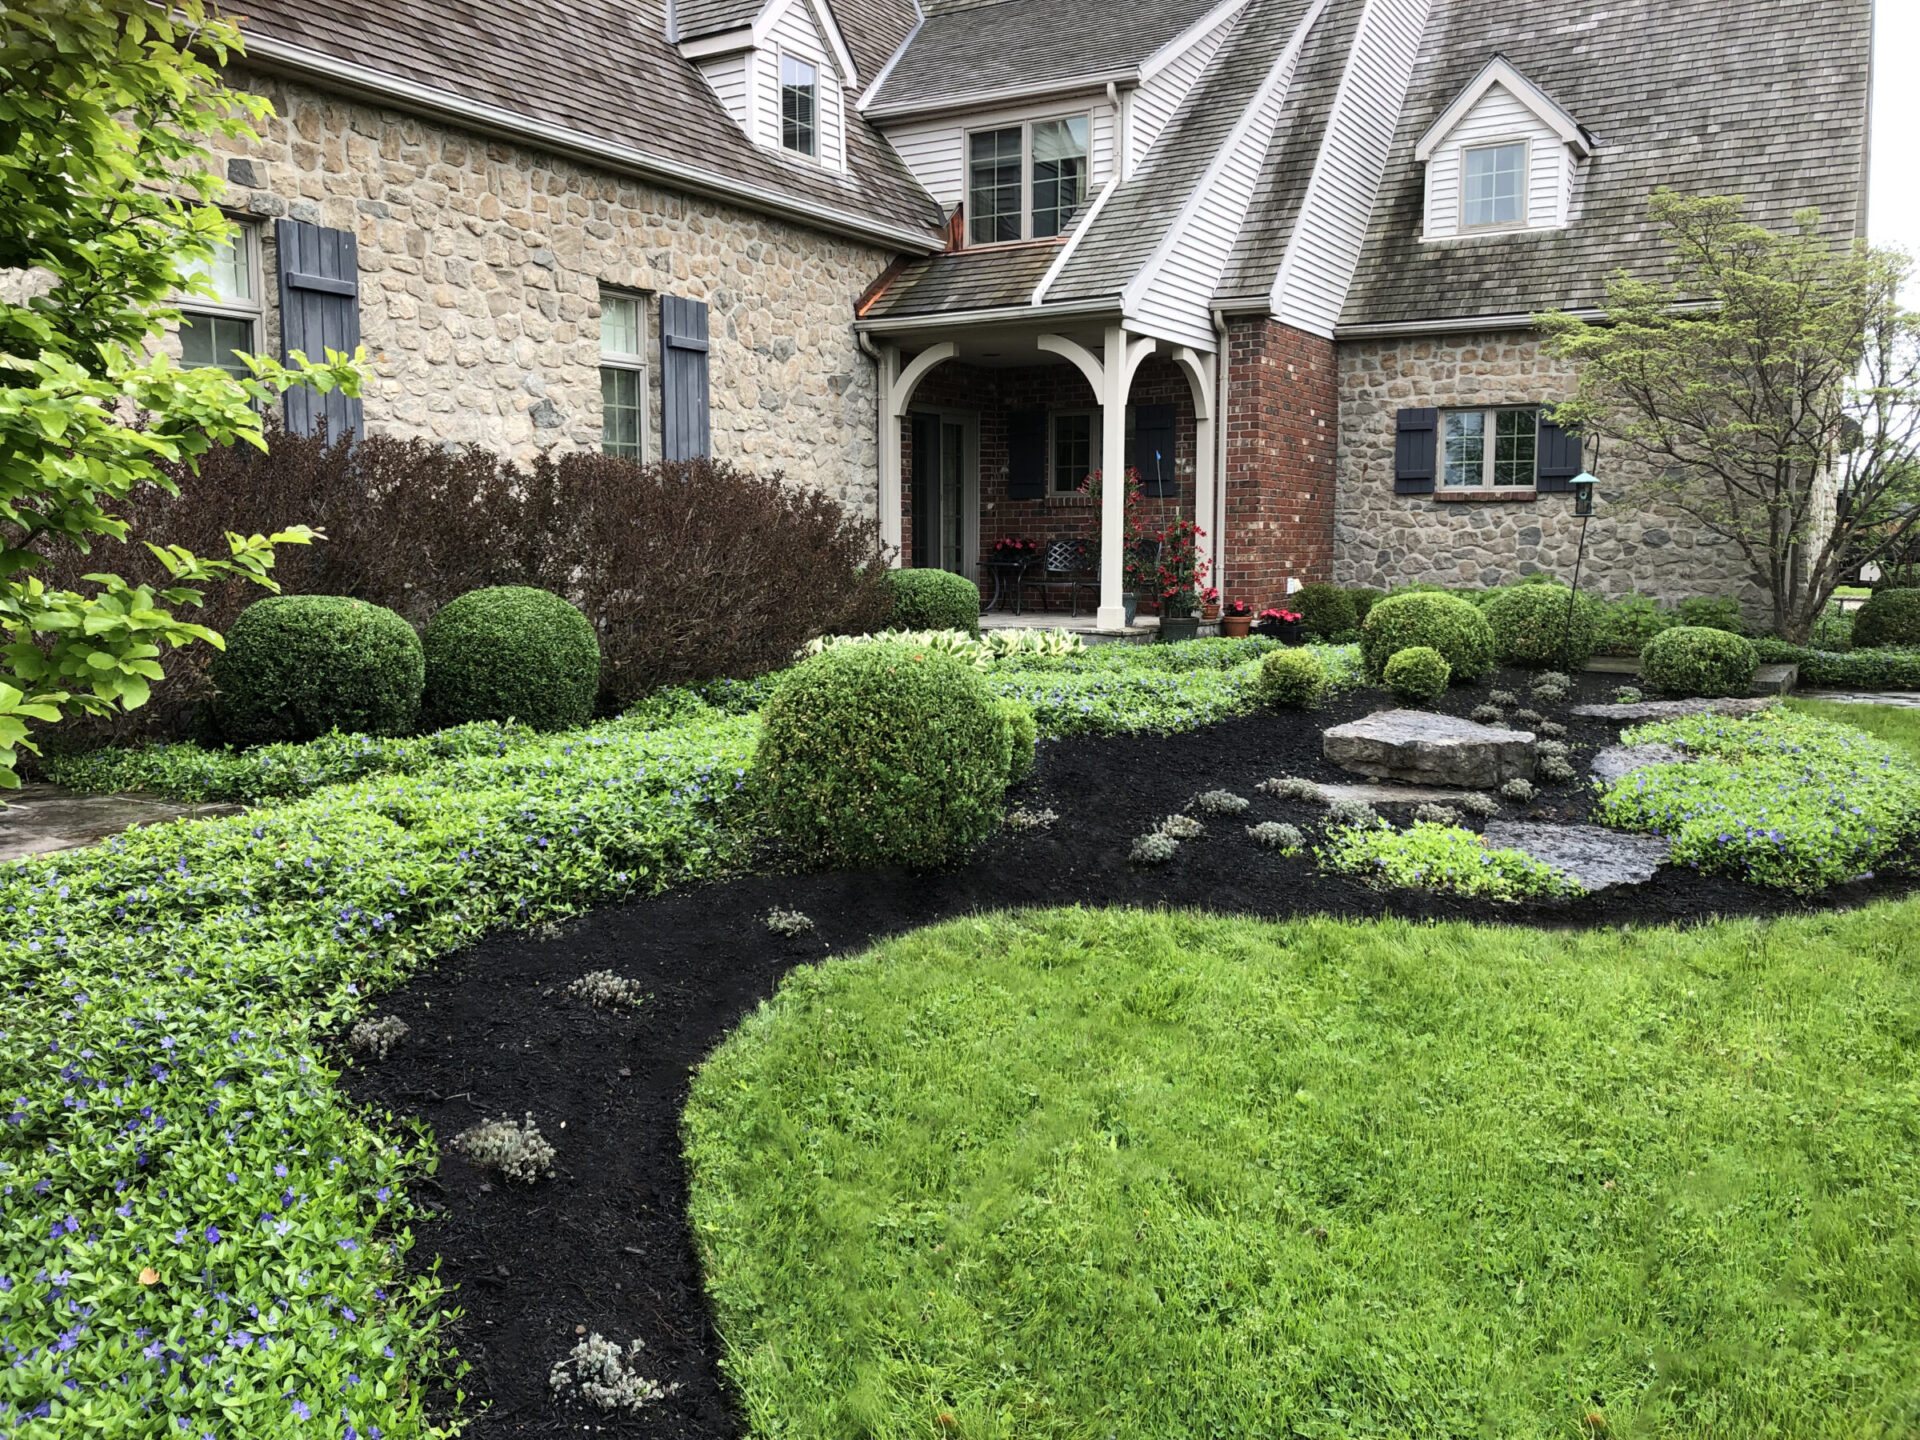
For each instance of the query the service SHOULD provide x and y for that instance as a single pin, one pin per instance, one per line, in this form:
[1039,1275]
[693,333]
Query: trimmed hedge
[1364,598]
[1883,669]
[1419,673]
[1890,617]
[883,754]
[1325,610]
[511,652]
[1292,679]
[298,666]
[934,600]
[1441,622]
[1695,660]
[1532,627]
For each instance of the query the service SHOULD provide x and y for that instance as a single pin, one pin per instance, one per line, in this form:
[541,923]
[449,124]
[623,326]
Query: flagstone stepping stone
[1422,747]
[1673,709]
[1394,794]
[1595,858]
[1615,761]
[40,819]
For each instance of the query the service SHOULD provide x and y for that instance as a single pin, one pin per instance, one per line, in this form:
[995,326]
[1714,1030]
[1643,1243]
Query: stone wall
[1384,539]
[481,264]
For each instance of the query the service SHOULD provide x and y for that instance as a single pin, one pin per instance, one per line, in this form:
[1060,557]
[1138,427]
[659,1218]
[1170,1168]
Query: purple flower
[300,1408]
[213,1235]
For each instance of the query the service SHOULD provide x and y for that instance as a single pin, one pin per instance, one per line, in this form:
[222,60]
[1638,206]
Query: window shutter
[1027,455]
[684,400]
[1559,458]
[319,311]
[926,470]
[1415,450]
[1151,449]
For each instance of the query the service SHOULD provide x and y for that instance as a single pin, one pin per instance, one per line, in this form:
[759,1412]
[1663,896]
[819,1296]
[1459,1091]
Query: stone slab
[1617,761]
[1672,709]
[1421,747]
[1595,858]
[42,819]
[1775,679]
[1395,794]
[1899,699]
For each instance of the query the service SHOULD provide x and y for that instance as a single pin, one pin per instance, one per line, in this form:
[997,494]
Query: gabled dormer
[780,67]
[1503,159]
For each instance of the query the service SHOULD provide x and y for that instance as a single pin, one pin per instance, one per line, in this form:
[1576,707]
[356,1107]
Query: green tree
[105,106]
[1770,386]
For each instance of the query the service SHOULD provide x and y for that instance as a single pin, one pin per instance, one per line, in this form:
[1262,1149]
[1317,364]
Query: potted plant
[1210,603]
[1182,573]
[1015,549]
[1236,620]
[1277,624]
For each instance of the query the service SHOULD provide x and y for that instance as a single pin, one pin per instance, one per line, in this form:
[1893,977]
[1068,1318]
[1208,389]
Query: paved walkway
[1901,699]
[40,819]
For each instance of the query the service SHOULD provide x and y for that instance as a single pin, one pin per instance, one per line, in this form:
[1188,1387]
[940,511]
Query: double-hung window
[799,106]
[1073,449]
[623,375]
[212,329]
[1026,182]
[1490,449]
[1493,186]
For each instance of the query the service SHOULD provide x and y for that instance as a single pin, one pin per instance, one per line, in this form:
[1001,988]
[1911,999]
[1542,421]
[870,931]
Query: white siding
[936,150]
[1311,286]
[792,31]
[1153,104]
[1170,298]
[1499,116]
[727,74]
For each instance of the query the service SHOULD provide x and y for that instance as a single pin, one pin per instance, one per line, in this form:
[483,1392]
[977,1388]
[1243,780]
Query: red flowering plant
[1237,608]
[1182,572]
[1015,547]
[1276,622]
[1138,569]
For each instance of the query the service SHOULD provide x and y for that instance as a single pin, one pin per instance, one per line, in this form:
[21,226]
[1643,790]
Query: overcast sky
[1893,212]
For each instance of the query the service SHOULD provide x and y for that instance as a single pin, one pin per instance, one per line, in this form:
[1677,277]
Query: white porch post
[890,440]
[1112,614]
[1200,370]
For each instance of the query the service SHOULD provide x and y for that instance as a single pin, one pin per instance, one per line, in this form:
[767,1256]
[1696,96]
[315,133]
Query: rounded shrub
[1023,736]
[1292,679]
[1364,598]
[511,652]
[1533,629]
[1691,660]
[1441,622]
[1418,674]
[883,754]
[1325,610]
[298,666]
[1890,617]
[934,600]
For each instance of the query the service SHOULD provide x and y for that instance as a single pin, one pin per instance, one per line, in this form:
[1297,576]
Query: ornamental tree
[1770,386]
[104,182]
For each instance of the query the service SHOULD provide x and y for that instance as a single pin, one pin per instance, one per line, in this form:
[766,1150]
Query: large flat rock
[40,819]
[1672,709]
[1378,794]
[1421,747]
[1618,761]
[1593,857]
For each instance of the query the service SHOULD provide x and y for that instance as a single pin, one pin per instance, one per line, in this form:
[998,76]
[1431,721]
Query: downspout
[872,352]
[1221,367]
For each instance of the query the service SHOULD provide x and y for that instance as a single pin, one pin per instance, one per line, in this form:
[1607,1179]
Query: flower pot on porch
[1179,627]
[1131,603]
[1235,627]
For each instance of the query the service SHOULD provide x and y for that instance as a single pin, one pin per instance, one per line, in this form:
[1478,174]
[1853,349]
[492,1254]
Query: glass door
[953,495]
[946,492]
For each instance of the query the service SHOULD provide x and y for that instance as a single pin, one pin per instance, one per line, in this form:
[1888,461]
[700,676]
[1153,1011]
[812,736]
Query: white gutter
[1465,324]
[919,19]
[575,144]
[987,99]
[947,320]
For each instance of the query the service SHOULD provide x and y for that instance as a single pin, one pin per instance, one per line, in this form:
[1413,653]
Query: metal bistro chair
[1067,561]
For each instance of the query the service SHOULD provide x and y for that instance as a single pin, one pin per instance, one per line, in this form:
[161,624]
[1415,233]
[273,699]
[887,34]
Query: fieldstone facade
[1383,539]
[481,264]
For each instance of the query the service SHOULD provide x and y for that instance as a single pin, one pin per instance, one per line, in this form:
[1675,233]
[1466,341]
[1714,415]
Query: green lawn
[1097,1174]
[1898,725]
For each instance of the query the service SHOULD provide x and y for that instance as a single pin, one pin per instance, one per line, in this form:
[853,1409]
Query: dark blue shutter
[1415,449]
[1150,449]
[1027,455]
[319,311]
[684,403]
[1559,457]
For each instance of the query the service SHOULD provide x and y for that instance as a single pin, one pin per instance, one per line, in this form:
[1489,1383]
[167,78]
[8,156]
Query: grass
[1080,1174]
[1895,725]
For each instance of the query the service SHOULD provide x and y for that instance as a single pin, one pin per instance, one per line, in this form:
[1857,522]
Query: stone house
[944,258]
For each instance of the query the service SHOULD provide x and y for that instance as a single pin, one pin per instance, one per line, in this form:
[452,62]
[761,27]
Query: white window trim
[1025,128]
[617,360]
[248,241]
[1486,485]
[1525,222]
[1093,445]
[821,70]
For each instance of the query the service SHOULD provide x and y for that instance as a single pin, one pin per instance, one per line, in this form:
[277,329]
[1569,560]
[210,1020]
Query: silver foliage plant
[1154,849]
[1517,790]
[1023,819]
[1292,787]
[1275,835]
[599,1373]
[1435,815]
[377,1037]
[605,990]
[788,922]
[1220,802]
[517,1151]
[1485,806]
[1346,813]
[1181,827]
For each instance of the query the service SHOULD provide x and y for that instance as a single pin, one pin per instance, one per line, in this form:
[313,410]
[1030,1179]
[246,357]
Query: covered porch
[991,427]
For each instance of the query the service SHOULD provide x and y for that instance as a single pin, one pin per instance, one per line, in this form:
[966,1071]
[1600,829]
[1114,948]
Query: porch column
[1200,370]
[890,441]
[1112,614]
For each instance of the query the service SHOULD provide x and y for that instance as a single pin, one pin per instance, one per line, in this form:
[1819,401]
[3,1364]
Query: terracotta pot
[1235,627]
[1209,612]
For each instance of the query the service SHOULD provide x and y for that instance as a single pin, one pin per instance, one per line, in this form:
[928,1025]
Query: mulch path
[605,1245]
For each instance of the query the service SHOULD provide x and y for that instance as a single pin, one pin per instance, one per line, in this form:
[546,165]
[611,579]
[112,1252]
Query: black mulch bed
[605,1246]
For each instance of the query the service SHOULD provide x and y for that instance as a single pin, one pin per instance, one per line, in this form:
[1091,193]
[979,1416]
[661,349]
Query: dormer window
[1495,186]
[799,106]
[1026,182]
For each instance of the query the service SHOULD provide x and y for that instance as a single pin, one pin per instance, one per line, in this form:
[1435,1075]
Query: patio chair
[1067,562]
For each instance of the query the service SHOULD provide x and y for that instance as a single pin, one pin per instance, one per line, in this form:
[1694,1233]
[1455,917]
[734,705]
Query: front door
[946,492]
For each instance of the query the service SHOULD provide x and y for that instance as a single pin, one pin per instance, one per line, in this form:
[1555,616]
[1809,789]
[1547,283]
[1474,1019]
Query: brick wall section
[1282,435]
